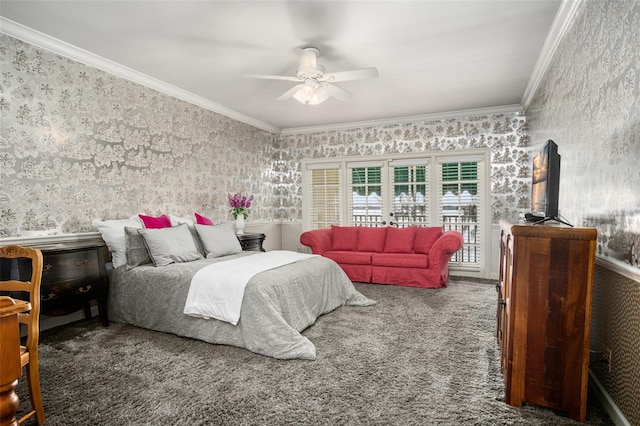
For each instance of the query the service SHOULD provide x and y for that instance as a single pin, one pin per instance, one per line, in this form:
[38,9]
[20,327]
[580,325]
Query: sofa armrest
[444,248]
[319,240]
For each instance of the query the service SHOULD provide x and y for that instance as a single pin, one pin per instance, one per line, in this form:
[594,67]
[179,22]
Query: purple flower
[239,204]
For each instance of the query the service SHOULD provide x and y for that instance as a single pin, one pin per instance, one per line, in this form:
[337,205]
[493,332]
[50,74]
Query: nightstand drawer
[63,297]
[251,242]
[68,266]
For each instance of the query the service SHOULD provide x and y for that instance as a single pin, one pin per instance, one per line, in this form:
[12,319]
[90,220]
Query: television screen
[545,182]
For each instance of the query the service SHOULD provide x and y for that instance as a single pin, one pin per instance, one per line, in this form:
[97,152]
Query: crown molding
[561,23]
[60,47]
[399,120]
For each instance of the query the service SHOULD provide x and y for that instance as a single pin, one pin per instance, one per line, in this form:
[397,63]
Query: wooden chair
[11,282]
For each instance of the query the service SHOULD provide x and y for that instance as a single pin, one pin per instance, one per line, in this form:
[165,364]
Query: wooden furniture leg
[10,358]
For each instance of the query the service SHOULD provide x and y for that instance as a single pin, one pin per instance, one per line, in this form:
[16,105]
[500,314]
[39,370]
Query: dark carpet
[420,356]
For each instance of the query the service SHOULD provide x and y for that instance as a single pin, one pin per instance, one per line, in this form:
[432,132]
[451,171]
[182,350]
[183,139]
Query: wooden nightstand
[73,275]
[251,242]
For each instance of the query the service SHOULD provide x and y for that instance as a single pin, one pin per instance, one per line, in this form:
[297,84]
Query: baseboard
[616,416]
[48,322]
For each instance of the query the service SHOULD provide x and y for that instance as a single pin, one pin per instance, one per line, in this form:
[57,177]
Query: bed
[278,303]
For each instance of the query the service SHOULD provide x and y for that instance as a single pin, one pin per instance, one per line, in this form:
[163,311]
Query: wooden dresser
[544,315]
[73,275]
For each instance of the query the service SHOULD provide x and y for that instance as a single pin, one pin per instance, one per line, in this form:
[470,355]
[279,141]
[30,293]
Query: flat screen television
[545,185]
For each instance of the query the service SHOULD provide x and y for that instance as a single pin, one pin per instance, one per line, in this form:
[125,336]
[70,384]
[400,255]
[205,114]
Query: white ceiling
[433,57]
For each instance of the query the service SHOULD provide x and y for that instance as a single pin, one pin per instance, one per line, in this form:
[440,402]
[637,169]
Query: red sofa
[413,256]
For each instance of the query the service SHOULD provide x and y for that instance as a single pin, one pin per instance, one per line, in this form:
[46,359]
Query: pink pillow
[371,239]
[203,220]
[425,237]
[344,238]
[153,222]
[400,240]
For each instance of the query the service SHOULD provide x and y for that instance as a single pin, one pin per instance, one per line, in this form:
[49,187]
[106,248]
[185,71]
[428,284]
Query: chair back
[21,271]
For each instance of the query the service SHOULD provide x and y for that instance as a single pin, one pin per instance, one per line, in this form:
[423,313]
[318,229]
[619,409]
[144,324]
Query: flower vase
[240,224]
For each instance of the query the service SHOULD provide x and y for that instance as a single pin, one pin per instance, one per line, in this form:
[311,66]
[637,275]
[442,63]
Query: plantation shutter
[325,196]
[461,208]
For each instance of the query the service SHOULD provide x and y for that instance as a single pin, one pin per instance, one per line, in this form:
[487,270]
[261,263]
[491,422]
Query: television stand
[537,220]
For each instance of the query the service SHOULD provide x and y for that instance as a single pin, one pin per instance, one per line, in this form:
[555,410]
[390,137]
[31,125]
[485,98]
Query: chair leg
[33,380]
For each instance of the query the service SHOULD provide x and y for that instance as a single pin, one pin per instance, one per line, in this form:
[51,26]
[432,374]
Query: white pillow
[113,234]
[170,245]
[218,240]
[177,220]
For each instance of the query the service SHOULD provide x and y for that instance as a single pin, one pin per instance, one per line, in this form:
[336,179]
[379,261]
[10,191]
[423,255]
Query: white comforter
[217,290]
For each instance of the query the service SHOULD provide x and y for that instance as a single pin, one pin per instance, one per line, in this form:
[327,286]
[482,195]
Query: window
[459,187]
[448,189]
[325,200]
[366,194]
[409,184]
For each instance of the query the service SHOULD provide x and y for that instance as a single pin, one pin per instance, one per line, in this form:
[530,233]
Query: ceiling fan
[316,86]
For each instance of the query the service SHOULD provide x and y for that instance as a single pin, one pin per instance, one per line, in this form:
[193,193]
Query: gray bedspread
[278,304]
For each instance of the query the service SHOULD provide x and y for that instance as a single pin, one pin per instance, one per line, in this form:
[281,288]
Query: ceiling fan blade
[337,92]
[273,77]
[351,75]
[289,93]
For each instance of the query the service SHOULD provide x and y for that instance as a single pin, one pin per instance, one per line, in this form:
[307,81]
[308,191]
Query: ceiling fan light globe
[321,94]
[304,94]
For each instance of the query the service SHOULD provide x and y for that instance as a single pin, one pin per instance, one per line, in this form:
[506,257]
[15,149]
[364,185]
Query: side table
[73,274]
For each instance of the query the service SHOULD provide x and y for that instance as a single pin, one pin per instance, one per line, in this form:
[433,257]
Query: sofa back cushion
[400,240]
[344,238]
[371,239]
[425,237]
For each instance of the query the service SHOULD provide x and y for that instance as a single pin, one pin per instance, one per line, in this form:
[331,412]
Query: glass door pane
[366,196]
[410,195]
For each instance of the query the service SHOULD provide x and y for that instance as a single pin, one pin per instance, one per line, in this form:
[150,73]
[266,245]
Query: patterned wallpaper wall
[503,133]
[589,103]
[78,144]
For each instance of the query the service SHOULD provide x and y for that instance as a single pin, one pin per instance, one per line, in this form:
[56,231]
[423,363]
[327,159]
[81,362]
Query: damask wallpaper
[589,103]
[78,144]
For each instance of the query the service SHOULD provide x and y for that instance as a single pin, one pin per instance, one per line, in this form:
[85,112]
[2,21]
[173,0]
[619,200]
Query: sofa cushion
[400,240]
[400,260]
[349,257]
[425,237]
[344,237]
[371,239]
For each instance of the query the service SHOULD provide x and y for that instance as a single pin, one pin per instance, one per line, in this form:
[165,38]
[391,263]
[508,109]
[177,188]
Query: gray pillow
[196,239]
[218,240]
[136,250]
[170,245]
